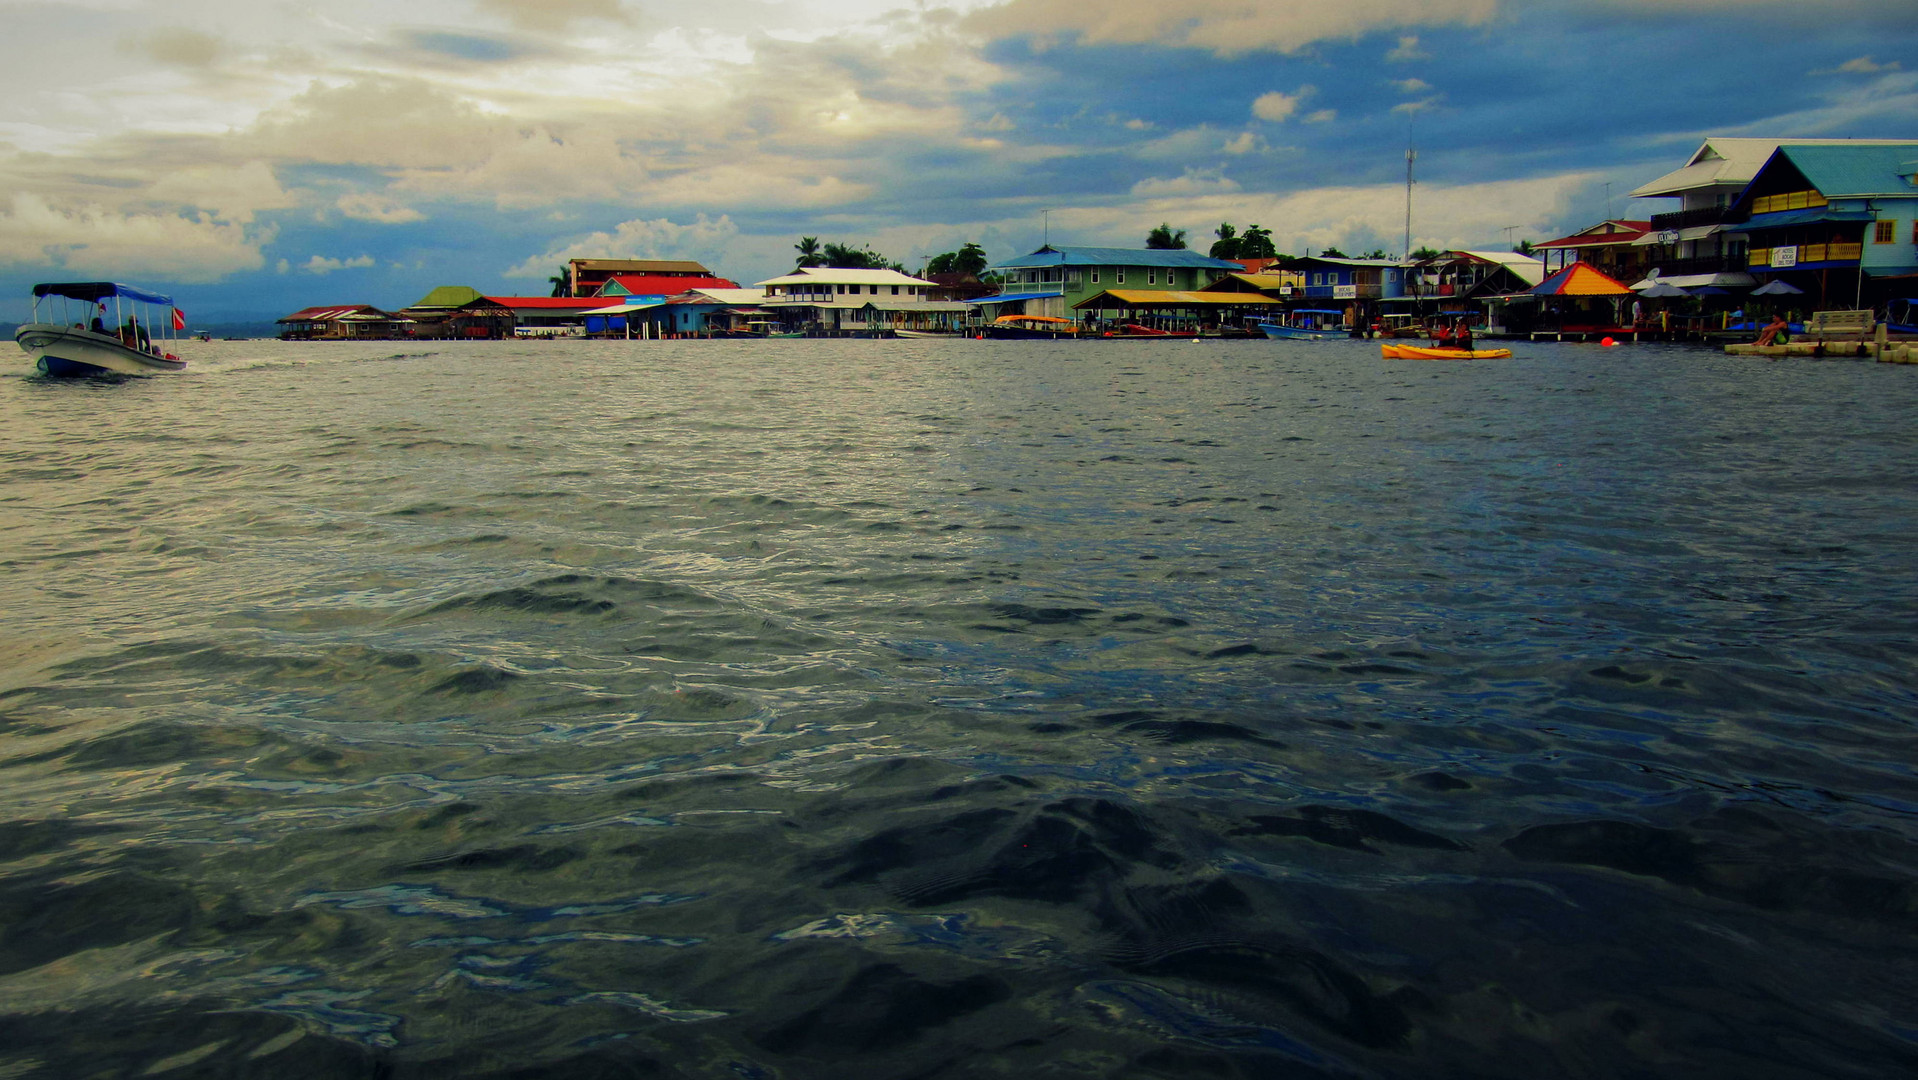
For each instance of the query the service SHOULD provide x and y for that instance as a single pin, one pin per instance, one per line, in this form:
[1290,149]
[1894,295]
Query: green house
[1076,274]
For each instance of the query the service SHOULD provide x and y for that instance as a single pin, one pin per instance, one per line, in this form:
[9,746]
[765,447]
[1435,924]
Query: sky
[254,157]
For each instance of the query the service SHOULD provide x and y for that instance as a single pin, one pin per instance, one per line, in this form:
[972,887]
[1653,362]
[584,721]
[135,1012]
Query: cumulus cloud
[1407,51]
[705,240]
[1277,107]
[1865,65]
[1322,116]
[1247,142]
[542,14]
[96,241]
[1411,86]
[322,265]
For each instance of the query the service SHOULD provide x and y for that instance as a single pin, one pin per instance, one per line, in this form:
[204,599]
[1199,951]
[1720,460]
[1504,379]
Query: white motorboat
[77,334]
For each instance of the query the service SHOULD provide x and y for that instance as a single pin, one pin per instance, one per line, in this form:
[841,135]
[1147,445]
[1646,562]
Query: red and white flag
[179,319]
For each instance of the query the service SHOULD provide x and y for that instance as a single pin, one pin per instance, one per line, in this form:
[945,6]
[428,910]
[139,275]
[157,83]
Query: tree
[970,259]
[562,282]
[808,248]
[1525,248]
[1164,238]
[1228,243]
[1427,253]
[1333,253]
[1256,243]
[1375,253]
[941,264]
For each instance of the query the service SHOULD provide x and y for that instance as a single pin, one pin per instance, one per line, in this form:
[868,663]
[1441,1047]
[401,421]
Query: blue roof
[1007,299]
[1177,258]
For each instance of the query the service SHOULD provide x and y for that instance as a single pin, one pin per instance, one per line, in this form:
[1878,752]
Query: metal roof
[1178,258]
[1009,298]
[837,275]
[1854,171]
[1123,298]
[1783,218]
[1731,163]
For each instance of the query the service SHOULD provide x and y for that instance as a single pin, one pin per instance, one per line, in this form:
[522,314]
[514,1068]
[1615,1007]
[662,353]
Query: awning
[623,309]
[1812,216]
[1724,279]
[94,291]
[1013,298]
[1169,298]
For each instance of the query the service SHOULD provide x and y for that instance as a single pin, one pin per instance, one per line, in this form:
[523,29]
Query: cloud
[366,206]
[321,265]
[1411,86]
[1865,65]
[1277,107]
[1410,108]
[1194,182]
[560,14]
[705,240]
[1322,116]
[1225,27]
[95,241]
[1247,142]
[177,47]
[1408,50]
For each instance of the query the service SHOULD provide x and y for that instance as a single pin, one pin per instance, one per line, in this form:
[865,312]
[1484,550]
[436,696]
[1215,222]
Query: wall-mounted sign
[1345,292]
[1784,256]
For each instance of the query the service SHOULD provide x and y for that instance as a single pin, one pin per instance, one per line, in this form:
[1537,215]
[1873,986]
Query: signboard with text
[1784,256]
[1345,292]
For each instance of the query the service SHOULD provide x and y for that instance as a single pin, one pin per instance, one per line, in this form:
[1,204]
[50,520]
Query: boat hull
[1416,352]
[1299,333]
[69,351]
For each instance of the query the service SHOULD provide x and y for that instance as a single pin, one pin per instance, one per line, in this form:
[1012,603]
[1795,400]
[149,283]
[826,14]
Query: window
[1095,275]
[1887,233]
[1118,275]
[1151,276]
[895,290]
[1318,279]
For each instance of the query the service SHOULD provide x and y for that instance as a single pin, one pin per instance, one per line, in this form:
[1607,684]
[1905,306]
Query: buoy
[1608,343]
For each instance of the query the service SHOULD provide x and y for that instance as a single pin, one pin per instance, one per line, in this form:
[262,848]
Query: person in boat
[1777,332]
[1442,334]
[1462,337]
[99,319]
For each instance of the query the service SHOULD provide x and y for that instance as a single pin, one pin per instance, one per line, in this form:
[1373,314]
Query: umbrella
[1776,287]
[1661,291]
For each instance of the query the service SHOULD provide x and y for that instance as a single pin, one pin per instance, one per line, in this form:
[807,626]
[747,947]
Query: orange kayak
[1420,352]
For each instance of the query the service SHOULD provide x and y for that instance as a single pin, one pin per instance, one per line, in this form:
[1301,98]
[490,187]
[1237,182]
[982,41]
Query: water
[910,709]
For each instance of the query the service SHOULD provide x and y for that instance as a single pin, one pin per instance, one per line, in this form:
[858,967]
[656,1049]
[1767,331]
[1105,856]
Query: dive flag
[179,319]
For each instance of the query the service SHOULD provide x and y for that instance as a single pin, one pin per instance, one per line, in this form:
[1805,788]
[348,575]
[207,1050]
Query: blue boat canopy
[99,290]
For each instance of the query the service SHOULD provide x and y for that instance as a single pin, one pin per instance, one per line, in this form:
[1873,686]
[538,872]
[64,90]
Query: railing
[1794,200]
[1691,219]
[1761,258]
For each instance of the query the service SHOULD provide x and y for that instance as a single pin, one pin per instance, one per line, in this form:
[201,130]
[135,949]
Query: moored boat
[1307,324]
[1031,327]
[1420,352]
[88,345]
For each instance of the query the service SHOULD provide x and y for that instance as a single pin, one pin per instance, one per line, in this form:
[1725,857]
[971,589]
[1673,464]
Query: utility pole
[1411,156]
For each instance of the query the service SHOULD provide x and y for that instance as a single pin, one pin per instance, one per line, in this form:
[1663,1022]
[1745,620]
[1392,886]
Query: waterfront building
[459,311]
[1611,246]
[1702,242]
[658,286]
[1474,275]
[1056,281]
[1836,221]
[836,300]
[585,277]
[344,322]
[548,316]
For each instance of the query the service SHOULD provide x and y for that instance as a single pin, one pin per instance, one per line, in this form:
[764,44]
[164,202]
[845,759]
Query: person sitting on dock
[1777,333]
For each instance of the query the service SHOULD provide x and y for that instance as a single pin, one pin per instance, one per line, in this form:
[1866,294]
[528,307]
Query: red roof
[330,312]
[556,303]
[667,284]
[1604,234]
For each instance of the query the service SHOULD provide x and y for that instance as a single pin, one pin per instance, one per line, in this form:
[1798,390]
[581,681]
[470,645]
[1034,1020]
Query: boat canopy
[92,291]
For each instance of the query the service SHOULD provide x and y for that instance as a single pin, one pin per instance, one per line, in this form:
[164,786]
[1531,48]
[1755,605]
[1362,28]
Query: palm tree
[1227,246]
[809,254]
[561,282]
[1164,238]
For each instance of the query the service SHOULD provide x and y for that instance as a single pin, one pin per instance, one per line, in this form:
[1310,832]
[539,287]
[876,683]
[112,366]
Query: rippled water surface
[802,709]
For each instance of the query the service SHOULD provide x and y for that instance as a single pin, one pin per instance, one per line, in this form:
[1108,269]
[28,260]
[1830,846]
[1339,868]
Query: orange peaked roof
[1580,279]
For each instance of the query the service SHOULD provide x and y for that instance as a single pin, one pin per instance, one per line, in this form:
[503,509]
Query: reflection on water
[901,709]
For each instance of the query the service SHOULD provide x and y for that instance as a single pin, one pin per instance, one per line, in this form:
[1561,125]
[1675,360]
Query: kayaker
[1463,337]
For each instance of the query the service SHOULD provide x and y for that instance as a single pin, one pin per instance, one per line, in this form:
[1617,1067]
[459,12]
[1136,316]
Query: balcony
[1703,264]
[1761,258]
[1692,219]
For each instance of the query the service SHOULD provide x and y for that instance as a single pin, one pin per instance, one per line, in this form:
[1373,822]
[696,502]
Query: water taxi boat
[1308,324]
[1421,352]
[76,337]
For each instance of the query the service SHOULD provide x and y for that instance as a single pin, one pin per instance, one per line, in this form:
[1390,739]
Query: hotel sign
[1784,256]
[1345,292]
